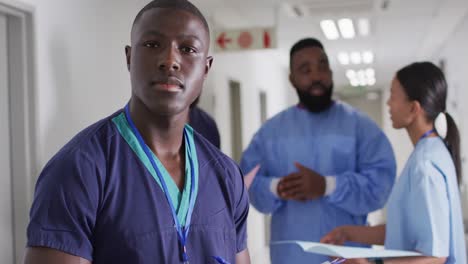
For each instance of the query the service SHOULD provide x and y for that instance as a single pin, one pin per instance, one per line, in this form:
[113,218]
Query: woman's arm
[371,235]
[416,260]
[408,260]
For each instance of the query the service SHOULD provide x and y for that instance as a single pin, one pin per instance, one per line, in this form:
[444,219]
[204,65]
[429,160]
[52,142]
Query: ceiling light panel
[343,58]
[355,57]
[329,29]
[363,27]
[346,28]
[368,57]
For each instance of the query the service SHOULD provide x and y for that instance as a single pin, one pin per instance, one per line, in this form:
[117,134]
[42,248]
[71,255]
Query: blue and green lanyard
[182,232]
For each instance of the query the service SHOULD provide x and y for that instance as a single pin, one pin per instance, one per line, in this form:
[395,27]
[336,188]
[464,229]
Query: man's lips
[316,90]
[170,84]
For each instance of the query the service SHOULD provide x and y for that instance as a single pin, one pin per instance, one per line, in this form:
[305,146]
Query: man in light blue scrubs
[141,186]
[323,163]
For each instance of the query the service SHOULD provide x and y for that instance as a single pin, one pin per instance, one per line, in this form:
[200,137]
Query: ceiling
[402,31]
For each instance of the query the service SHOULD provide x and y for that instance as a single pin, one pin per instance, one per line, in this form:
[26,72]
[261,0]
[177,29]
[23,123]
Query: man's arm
[242,257]
[366,188]
[42,255]
[64,209]
[261,197]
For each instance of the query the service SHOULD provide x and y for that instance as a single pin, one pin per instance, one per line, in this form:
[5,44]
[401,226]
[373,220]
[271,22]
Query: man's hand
[303,185]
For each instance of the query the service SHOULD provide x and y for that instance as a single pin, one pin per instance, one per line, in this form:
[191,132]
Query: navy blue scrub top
[96,199]
[204,124]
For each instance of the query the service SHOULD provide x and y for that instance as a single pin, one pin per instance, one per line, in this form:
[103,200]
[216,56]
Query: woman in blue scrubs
[424,212]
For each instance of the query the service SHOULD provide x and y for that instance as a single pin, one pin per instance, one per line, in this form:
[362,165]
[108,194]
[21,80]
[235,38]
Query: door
[236,120]
[6,210]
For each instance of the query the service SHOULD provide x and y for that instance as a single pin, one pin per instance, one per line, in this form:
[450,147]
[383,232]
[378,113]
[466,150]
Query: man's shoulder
[207,152]
[198,114]
[349,112]
[347,109]
[280,119]
[91,140]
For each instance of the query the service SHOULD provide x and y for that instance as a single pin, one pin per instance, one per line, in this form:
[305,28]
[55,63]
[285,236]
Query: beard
[316,103]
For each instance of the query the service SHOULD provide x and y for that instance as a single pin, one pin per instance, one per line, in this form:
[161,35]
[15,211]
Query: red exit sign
[245,39]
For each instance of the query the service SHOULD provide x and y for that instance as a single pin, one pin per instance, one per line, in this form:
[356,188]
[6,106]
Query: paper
[349,252]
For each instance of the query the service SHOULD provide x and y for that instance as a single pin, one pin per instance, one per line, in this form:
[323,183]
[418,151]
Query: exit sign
[245,39]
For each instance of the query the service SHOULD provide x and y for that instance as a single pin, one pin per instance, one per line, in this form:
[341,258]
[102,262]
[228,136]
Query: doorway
[6,202]
[17,150]
[236,120]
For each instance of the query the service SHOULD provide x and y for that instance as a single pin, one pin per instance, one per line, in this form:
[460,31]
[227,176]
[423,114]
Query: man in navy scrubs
[141,186]
[204,124]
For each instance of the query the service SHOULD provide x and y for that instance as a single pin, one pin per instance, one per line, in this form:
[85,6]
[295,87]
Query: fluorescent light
[355,57]
[370,73]
[343,58]
[368,57]
[363,27]
[346,28]
[362,77]
[351,74]
[329,29]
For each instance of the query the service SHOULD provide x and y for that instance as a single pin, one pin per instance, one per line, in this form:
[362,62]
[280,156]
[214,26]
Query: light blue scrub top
[341,142]
[424,212]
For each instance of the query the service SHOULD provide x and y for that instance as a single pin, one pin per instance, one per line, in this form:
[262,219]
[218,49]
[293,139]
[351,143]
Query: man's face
[168,59]
[312,78]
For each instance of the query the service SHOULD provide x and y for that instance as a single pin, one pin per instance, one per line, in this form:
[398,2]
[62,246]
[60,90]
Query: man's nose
[170,60]
[315,75]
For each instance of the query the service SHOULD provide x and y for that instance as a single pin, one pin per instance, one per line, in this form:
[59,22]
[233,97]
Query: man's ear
[128,55]
[209,62]
[291,80]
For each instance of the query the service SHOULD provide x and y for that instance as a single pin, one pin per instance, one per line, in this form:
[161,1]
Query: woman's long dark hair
[424,82]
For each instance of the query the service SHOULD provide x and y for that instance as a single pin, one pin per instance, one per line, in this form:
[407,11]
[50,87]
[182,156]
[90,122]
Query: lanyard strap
[182,232]
[427,134]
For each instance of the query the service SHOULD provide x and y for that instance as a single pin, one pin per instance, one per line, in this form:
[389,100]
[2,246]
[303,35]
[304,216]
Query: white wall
[455,54]
[255,71]
[81,73]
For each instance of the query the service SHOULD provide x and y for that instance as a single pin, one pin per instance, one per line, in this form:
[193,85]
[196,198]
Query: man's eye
[151,45]
[188,50]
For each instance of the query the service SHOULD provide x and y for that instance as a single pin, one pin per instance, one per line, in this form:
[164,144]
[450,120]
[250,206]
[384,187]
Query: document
[349,252]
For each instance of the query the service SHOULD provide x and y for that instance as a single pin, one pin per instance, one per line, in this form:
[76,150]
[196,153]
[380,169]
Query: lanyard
[426,134]
[182,232]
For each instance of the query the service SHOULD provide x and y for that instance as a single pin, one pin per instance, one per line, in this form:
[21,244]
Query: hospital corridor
[65,65]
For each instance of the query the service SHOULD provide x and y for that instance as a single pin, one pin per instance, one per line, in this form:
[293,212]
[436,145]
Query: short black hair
[302,44]
[175,4]
[305,43]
